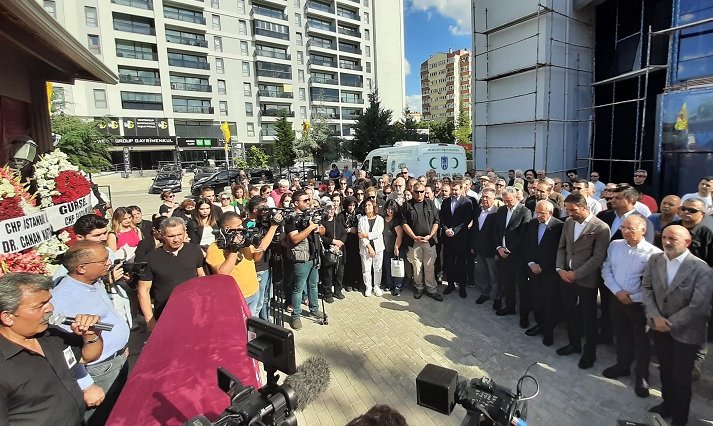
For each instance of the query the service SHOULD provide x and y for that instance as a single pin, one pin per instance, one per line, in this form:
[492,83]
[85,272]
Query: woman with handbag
[333,237]
[371,247]
[392,278]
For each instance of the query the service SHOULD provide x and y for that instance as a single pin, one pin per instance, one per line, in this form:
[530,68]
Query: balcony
[349,15]
[352,100]
[352,83]
[317,26]
[188,41]
[276,112]
[313,5]
[351,116]
[135,54]
[135,28]
[326,115]
[270,54]
[193,109]
[134,79]
[191,87]
[324,80]
[322,63]
[188,64]
[273,34]
[274,94]
[141,4]
[315,44]
[349,32]
[263,11]
[185,17]
[349,49]
[349,66]
[274,74]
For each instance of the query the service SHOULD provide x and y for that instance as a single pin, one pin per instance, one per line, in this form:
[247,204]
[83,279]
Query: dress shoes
[339,295]
[417,293]
[569,349]
[548,340]
[524,323]
[534,331]
[497,305]
[641,387]
[329,299]
[435,296]
[449,290]
[661,409]
[348,289]
[505,311]
[587,361]
[461,292]
[482,299]
[614,372]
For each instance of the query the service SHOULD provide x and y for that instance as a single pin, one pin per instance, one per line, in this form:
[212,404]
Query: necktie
[540,232]
[454,203]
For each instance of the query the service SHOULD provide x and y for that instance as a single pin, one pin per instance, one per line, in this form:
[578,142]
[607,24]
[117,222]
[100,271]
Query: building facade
[445,85]
[185,66]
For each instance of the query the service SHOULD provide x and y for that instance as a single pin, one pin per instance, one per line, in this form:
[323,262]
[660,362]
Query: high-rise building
[186,66]
[445,85]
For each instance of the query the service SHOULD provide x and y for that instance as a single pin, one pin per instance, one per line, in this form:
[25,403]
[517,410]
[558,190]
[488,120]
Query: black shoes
[569,349]
[641,387]
[348,289]
[534,331]
[497,305]
[614,372]
[661,409]
[482,299]
[587,361]
[449,290]
[396,292]
[548,340]
[461,292]
[329,299]
[339,295]
[417,293]
[505,311]
[435,296]
[524,323]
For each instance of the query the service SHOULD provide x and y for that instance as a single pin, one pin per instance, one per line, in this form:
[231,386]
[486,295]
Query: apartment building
[445,85]
[185,66]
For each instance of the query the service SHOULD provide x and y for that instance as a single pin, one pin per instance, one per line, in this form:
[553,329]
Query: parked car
[261,176]
[165,181]
[218,181]
[171,168]
[203,172]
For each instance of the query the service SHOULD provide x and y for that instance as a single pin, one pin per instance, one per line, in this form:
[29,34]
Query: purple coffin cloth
[203,327]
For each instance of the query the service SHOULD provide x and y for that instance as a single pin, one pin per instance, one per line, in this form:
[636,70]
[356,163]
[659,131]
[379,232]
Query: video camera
[440,388]
[303,219]
[268,216]
[225,239]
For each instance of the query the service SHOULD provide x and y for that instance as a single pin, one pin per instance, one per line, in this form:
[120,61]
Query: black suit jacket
[608,217]
[457,220]
[481,240]
[543,253]
[514,232]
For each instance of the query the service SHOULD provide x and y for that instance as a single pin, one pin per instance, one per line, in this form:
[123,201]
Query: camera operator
[349,274]
[237,257]
[256,208]
[333,236]
[303,257]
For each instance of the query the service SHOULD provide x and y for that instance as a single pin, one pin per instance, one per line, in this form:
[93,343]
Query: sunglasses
[372,197]
[360,193]
[419,192]
[689,210]
[639,175]
[224,198]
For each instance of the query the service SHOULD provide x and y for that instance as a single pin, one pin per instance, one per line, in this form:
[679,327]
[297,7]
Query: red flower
[71,185]
[10,208]
[24,261]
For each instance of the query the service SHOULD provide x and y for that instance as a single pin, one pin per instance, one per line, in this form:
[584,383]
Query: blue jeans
[306,276]
[111,376]
[390,282]
[265,292]
[252,302]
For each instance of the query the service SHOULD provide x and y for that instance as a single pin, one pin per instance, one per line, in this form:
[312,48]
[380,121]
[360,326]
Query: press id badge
[69,357]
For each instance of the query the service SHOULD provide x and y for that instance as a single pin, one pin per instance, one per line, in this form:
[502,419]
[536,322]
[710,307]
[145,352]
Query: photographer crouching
[235,252]
[302,256]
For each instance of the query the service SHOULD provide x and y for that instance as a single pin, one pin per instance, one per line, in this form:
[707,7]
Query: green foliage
[463,131]
[372,129]
[256,159]
[284,152]
[240,163]
[82,141]
[405,128]
[441,132]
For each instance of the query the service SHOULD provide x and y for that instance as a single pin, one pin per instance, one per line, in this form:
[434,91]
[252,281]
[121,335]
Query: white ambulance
[418,157]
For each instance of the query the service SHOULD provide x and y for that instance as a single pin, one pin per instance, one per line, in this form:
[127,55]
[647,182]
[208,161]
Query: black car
[203,172]
[166,181]
[217,181]
[261,177]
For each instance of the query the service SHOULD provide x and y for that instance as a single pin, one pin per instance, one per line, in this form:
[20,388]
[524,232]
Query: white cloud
[407,67]
[413,102]
[457,10]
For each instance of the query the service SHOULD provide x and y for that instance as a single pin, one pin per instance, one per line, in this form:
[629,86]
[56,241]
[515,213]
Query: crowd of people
[608,260]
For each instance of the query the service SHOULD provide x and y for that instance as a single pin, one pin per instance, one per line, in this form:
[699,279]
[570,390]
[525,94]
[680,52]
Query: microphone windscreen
[310,380]
[56,319]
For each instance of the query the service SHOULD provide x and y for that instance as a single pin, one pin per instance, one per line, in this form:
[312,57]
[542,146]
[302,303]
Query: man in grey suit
[581,252]
[676,289]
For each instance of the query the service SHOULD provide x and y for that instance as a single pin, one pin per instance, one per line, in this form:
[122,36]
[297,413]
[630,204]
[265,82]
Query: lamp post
[25,153]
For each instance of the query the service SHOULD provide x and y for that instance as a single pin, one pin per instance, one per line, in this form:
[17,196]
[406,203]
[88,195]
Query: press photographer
[302,256]
[235,252]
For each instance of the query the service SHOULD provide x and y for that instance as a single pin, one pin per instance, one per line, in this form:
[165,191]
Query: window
[221,88]
[188,61]
[215,4]
[241,6]
[191,105]
[218,44]
[367,35]
[303,95]
[242,28]
[297,3]
[299,39]
[194,84]
[301,76]
[219,66]
[300,58]
[223,107]
[368,83]
[90,17]
[136,50]
[249,109]
[695,45]
[270,29]
[50,7]
[271,52]
[368,67]
[368,51]
[146,101]
[246,69]
[251,129]
[93,43]
[269,69]
[134,24]
[215,19]
[244,48]
[247,90]
[99,98]
[145,76]
[366,17]
[298,19]
[303,112]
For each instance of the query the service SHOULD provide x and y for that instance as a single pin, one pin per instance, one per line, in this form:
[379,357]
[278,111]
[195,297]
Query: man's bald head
[675,240]
[670,204]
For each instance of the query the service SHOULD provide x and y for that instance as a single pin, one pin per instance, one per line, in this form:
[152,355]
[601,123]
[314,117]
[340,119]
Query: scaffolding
[547,14]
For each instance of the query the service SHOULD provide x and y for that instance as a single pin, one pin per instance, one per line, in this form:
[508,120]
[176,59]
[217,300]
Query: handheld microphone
[61,319]
[310,380]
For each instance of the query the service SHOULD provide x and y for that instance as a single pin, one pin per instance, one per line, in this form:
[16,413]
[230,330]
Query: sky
[432,26]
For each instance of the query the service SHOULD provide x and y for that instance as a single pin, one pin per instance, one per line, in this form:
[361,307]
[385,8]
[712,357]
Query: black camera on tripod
[229,239]
[486,402]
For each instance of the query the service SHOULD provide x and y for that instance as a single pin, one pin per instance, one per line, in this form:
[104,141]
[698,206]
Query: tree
[406,128]
[372,129]
[463,131]
[82,141]
[441,132]
[284,152]
[256,159]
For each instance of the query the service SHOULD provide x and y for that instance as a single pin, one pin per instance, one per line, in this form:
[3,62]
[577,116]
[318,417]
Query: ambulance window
[378,166]
[365,166]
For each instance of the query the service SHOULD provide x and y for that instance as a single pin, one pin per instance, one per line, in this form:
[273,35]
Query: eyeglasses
[372,197]
[689,210]
[105,260]
[640,175]
[224,198]
[594,176]
[360,193]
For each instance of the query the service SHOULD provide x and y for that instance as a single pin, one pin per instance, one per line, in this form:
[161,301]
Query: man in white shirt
[581,186]
[599,186]
[622,272]
[705,188]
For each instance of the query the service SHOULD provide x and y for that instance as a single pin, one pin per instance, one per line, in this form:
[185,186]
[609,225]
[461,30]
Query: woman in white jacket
[371,246]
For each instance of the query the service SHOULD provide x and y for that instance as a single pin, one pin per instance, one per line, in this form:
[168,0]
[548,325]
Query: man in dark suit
[581,252]
[542,239]
[676,289]
[509,234]
[456,213]
[482,245]
[542,192]
[624,197]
